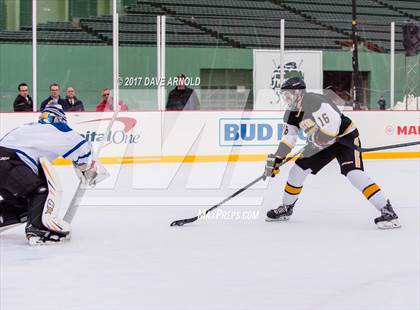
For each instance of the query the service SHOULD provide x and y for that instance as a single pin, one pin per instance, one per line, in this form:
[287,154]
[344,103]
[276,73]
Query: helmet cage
[52,114]
[51,118]
[292,98]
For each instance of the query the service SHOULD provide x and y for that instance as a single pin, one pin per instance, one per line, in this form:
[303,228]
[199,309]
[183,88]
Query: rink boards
[217,136]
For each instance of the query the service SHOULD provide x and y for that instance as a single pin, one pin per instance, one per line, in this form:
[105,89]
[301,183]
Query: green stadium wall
[89,69]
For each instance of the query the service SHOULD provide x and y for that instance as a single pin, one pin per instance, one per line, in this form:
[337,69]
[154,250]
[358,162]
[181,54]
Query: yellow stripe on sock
[370,190]
[292,190]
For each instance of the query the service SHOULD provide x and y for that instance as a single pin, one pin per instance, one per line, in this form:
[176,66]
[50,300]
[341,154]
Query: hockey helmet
[292,92]
[52,113]
[294,83]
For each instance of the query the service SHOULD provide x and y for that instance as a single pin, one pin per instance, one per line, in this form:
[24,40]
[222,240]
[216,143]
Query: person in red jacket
[106,104]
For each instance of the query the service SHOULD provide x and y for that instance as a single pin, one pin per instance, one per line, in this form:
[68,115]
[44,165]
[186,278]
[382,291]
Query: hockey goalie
[29,187]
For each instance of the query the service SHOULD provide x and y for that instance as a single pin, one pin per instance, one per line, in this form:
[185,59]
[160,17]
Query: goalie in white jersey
[28,184]
[331,135]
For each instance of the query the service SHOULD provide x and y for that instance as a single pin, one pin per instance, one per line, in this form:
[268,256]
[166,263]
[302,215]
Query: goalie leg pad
[42,224]
[50,214]
[52,201]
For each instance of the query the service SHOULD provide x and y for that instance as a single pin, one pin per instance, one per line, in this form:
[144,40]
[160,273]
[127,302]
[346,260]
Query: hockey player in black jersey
[330,134]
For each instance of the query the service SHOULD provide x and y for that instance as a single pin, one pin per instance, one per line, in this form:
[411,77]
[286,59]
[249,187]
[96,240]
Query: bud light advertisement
[253,132]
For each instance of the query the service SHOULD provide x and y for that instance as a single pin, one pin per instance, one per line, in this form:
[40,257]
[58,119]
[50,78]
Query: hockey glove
[272,166]
[87,174]
[91,175]
[320,139]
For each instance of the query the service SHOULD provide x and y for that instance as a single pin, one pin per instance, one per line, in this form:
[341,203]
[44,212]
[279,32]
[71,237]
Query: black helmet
[293,83]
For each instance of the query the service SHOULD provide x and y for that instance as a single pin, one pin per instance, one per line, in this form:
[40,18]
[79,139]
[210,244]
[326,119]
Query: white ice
[125,256]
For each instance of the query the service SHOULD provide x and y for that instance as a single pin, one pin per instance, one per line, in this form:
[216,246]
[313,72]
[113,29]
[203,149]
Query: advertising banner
[214,136]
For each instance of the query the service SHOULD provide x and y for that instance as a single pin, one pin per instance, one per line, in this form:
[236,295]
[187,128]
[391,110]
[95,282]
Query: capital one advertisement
[129,134]
[267,74]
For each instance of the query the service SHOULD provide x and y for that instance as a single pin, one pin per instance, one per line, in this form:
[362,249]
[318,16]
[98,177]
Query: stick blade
[184,221]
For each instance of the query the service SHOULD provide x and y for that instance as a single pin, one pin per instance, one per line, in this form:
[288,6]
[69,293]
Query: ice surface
[125,256]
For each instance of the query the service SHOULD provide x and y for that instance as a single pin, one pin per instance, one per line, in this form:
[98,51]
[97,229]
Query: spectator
[106,104]
[382,103]
[357,106]
[23,102]
[73,104]
[54,97]
[182,97]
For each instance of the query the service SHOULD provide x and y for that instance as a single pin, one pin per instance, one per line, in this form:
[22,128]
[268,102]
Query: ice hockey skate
[388,218]
[280,214]
[37,236]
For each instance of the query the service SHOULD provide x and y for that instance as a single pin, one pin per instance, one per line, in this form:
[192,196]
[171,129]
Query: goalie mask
[52,114]
[292,92]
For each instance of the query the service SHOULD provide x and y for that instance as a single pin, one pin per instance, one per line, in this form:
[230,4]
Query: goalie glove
[88,174]
[272,166]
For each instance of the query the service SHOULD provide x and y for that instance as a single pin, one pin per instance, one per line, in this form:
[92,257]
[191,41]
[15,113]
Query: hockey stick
[80,191]
[360,149]
[378,148]
[193,219]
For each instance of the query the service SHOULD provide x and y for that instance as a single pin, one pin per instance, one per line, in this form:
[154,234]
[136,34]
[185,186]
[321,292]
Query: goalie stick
[80,191]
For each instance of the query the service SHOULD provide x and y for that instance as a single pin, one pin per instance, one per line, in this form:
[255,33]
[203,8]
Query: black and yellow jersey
[317,112]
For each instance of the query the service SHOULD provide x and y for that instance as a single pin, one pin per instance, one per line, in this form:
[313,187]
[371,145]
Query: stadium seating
[322,24]
[54,26]
[244,23]
[50,38]
[410,8]
[374,18]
